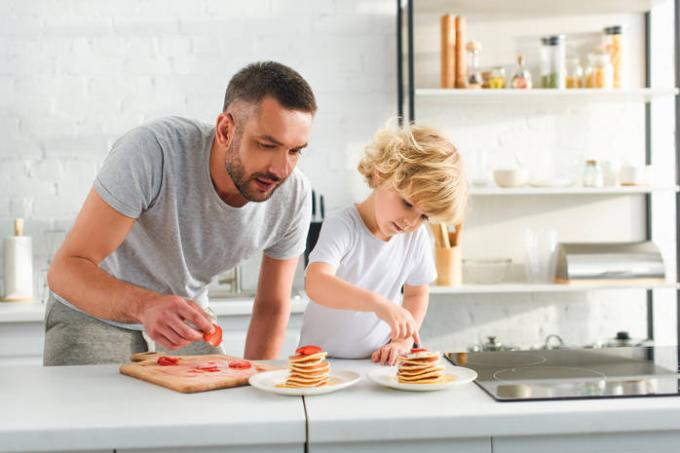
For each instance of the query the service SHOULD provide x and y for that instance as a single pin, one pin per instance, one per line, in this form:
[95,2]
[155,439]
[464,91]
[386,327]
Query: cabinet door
[225,449]
[475,445]
[640,442]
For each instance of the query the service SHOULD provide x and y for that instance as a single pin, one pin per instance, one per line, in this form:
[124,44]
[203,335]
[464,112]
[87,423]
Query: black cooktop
[574,373]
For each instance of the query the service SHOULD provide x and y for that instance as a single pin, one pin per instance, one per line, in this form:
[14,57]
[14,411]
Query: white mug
[633,175]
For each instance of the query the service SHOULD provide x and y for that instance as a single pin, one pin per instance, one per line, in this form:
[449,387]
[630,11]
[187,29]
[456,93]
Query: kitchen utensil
[512,177]
[322,208]
[444,234]
[448,49]
[491,344]
[180,377]
[313,206]
[18,262]
[271,381]
[461,65]
[485,270]
[387,376]
[623,339]
[541,249]
[454,238]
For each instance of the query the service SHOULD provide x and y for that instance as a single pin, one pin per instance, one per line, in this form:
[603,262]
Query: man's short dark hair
[269,78]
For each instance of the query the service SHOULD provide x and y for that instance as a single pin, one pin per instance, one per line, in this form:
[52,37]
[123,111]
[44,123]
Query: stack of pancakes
[421,366]
[310,370]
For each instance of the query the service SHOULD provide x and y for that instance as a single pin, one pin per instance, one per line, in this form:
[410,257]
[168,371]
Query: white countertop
[35,312]
[92,407]
[95,407]
[371,413]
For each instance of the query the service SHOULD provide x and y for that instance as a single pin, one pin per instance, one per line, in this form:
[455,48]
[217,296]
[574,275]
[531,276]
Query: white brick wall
[76,74]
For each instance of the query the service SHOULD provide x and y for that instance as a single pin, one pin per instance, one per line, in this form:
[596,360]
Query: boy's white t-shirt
[365,261]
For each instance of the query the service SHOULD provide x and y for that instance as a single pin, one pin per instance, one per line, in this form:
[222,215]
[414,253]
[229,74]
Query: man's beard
[235,169]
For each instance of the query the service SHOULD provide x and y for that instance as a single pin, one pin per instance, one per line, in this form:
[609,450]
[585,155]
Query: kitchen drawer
[636,442]
[278,448]
[475,445]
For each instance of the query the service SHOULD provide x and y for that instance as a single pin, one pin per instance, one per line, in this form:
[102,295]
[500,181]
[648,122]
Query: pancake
[421,366]
[308,368]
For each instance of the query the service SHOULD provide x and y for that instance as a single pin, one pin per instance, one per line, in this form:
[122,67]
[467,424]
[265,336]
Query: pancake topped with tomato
[308,367]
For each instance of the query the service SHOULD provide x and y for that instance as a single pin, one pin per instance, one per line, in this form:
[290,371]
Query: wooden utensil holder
[449,264]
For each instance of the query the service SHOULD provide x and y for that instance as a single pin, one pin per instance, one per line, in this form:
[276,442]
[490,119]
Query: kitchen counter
[236,306]
[96,408]
[93,407]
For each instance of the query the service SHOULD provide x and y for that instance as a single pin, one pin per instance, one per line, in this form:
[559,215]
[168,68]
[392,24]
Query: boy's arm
[324,288]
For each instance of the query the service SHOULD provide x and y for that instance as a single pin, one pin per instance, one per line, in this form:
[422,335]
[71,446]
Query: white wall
[76,74]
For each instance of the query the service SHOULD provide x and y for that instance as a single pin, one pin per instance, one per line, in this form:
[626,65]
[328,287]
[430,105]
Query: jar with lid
[522,77]
[612,45]
[600,73]
[545,62]
[497,79]
[474,76]
[554,49]
[592,174]
[575,73]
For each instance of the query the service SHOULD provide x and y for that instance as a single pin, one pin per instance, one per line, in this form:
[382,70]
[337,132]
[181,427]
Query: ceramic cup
[633,175]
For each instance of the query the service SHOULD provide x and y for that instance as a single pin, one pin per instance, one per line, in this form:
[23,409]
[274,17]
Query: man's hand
[401,322]
[166,319]
[389,353]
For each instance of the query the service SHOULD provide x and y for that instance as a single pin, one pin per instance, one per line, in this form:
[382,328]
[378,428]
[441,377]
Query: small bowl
[511,177]
[485,271]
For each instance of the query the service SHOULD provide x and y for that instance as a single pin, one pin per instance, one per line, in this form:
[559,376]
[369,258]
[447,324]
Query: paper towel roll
[18,268]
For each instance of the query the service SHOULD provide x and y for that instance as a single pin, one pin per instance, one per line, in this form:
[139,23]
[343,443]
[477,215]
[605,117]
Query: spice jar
[474,76]
[574,73]
[497,79]
[612,44]
[522,78]
[600,73]
[592,174]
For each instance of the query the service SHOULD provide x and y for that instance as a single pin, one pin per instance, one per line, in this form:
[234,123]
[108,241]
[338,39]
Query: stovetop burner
[574,373]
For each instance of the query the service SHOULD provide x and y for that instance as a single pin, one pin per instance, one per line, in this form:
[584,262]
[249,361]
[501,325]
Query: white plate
[388,377]
[270,381]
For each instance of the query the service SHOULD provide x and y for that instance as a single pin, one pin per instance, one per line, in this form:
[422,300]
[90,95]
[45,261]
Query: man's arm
[271,309]
[76,276]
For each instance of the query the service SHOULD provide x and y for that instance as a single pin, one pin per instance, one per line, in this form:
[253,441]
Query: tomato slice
[214,338]
[240,364]
[414,350]
[308,350]
[167,361]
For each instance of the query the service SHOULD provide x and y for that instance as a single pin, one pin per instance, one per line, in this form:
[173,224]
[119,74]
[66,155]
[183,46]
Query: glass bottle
[522,77]
[557,51]
[612,45]
[575,73]
[592,174]
[474,76]
[545,62]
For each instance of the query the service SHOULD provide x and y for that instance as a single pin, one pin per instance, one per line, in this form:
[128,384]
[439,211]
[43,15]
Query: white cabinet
[640,442]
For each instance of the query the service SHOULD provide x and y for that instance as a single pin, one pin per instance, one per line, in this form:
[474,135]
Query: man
[175,203]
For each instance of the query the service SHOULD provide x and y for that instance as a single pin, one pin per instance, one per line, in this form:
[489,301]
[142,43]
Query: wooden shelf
[539,288]
[520,191]
[534,7]
[453,97]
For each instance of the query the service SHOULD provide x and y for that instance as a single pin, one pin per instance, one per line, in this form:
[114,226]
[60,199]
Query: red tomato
[240,364]
[307,350]
[167,361]
[214,338]
[414,350]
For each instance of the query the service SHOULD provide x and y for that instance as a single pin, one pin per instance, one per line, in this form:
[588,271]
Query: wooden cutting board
[186,376]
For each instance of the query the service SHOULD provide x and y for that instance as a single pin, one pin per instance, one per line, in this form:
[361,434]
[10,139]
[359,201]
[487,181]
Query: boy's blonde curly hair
[423,166]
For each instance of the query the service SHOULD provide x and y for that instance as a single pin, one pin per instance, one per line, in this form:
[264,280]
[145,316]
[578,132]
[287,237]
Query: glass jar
[592,174]
[545,62]
[522,78]
[555,54]
[575,73]
[612,45]
[600,72]
[497,79]
[474,76]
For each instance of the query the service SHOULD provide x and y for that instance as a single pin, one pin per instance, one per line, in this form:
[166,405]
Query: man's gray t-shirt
[185,234]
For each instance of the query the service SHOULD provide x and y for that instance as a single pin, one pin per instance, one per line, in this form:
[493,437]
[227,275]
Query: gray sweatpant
[74,338]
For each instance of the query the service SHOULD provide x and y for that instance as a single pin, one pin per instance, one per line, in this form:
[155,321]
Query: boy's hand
[388,354]
[401,321]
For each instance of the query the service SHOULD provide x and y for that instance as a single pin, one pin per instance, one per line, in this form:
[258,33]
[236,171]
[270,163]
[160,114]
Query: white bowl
[513,177]
[485,271]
